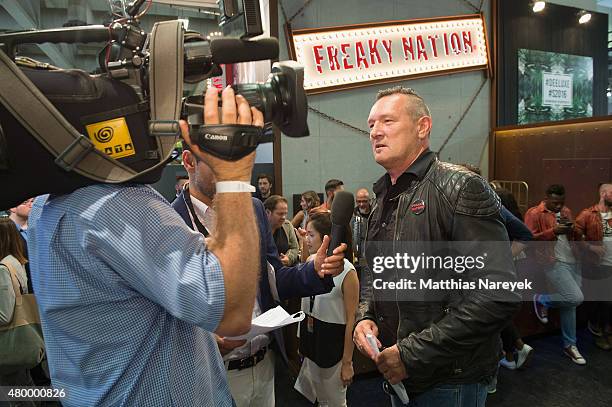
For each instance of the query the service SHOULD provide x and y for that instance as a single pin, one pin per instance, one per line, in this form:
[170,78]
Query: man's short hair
[273,200]
[417,107]
[555,189]
[332,184]
[266,176]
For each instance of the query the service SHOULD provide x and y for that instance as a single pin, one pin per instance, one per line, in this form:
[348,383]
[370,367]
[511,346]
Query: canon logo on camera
[209,136]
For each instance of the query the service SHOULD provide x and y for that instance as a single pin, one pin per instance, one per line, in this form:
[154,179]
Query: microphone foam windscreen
[232,50]
[342,208]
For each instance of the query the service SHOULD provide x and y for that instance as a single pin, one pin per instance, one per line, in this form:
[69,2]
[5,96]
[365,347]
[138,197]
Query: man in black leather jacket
[443,351]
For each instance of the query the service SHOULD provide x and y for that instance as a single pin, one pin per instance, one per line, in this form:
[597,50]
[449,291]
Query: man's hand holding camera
[235,110]
[235,241]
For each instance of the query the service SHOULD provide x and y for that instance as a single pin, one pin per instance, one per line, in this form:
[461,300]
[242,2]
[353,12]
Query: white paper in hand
[268,321]
[399,388]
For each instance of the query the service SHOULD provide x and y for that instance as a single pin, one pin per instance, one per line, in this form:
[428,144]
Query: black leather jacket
[456,339]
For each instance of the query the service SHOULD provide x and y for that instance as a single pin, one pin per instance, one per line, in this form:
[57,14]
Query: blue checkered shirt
[128,296]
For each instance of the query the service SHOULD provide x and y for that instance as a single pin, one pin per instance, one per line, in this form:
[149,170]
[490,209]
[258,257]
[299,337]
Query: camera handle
[227,141]
[70,35]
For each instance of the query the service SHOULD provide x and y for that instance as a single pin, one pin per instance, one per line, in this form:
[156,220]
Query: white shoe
[540,310]
[507,364]
[523,355]
[572,353]
[492,387]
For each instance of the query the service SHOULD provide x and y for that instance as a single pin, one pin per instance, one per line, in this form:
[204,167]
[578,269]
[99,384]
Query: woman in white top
[326,332]
[12,254]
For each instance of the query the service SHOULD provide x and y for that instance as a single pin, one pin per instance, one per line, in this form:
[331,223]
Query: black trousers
[600,311]
[509,336]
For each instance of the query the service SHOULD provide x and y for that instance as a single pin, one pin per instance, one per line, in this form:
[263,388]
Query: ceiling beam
[210,4]
[27,22]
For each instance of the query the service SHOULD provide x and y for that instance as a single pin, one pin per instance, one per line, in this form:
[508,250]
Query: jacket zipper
[402,199]
[395,237]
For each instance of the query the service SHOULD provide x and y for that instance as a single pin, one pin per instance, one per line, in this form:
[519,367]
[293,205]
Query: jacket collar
[180,206]
[541,208]
[418,169]
[594,209]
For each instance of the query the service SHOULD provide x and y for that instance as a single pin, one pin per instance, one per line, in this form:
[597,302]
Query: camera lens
[281,99]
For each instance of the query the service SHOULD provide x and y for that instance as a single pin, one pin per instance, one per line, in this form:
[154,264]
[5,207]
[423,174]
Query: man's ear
[268,212]
[188,160]
[424,127]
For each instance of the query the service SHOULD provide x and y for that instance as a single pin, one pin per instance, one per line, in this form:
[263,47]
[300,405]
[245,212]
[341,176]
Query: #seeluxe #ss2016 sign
[360,55]
[553,86]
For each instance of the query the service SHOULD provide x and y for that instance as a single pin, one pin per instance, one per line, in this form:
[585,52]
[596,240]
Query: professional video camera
[61,129]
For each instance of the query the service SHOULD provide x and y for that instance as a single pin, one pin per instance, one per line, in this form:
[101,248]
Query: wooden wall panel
[576,176]
[577,155]
[555,29]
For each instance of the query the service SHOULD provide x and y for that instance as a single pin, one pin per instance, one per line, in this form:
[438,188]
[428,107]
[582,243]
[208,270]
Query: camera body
[121,125]
[240,18]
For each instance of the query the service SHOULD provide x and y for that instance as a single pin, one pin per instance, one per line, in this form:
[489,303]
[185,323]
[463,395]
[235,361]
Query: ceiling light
[538,6]
[584,17]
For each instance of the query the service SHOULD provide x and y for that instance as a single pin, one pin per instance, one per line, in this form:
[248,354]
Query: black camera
[121,123]
[281,100]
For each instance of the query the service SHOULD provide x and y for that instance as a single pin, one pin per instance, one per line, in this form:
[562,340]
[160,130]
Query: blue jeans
[565,280]
[449,395]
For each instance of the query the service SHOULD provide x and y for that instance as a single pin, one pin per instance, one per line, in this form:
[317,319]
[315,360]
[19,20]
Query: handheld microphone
[341,213]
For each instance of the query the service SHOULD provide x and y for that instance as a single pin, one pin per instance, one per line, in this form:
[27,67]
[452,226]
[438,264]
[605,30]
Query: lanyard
[187,197]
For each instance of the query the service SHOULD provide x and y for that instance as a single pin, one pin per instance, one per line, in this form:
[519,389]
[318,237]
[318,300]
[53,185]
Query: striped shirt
[128,296]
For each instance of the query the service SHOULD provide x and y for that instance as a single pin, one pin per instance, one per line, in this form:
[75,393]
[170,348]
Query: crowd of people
[141,301]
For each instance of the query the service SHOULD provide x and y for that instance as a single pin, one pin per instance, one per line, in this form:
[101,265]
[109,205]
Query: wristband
[233,186]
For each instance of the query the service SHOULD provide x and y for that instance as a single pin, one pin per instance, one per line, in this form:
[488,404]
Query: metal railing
[519,189]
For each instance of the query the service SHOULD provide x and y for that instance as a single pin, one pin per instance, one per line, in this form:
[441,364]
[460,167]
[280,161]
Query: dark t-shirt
[382,228]
[280,238]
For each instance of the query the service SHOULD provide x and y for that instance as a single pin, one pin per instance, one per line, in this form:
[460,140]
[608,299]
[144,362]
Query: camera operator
[130,296]
[250,364]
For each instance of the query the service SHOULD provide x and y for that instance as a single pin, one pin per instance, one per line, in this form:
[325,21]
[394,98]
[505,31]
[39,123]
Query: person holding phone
[552,221]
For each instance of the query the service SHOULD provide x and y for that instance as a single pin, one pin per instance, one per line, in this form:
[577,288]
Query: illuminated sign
[360,55]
